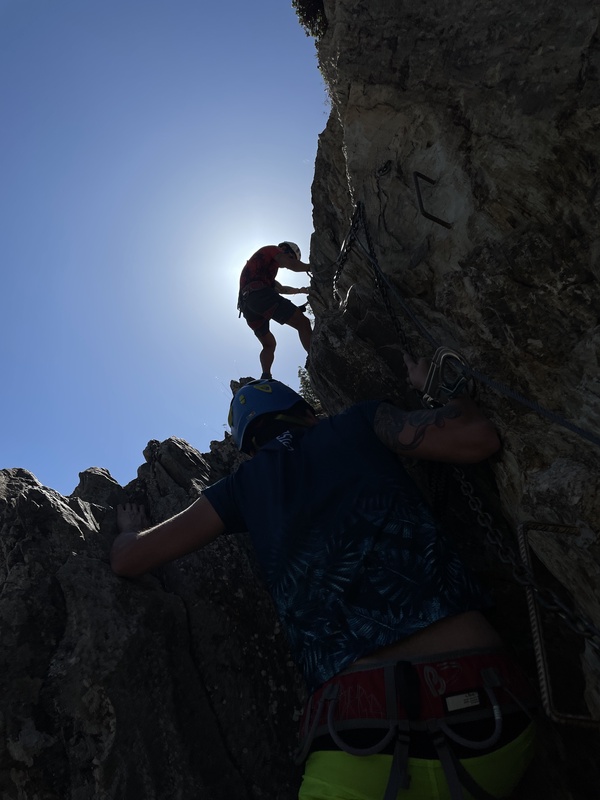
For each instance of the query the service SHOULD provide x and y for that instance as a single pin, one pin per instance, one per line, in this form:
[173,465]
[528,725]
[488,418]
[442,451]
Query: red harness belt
[426,694]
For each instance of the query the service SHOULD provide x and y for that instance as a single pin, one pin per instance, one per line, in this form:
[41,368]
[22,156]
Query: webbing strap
[399,777]
[457,776]
[469,782]
[407,685]
[445,757]
[357,751]
[391,703]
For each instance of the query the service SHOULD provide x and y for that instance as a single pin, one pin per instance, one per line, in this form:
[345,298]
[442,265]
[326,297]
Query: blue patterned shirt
[348,547]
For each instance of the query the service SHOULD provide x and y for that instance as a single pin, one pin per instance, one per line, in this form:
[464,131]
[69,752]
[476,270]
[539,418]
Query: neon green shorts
[335,775]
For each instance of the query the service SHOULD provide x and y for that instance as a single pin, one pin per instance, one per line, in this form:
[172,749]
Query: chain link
[359,221]
[346,248]
[521,573]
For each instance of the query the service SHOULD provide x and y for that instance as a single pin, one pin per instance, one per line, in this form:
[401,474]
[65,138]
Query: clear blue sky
[147,149]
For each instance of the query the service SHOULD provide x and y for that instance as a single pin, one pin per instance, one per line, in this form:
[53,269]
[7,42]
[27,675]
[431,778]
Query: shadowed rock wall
[174,685]
[499,106]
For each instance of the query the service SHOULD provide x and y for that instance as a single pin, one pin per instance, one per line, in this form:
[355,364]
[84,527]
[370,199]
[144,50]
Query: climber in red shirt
[260,298]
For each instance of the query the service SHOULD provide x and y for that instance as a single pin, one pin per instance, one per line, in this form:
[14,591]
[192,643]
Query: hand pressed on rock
[131,517]
[417,371]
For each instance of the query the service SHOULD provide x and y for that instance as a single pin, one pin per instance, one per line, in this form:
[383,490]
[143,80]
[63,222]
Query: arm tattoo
[390,422]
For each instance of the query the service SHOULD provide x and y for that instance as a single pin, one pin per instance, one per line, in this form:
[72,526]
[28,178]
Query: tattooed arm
[458,432]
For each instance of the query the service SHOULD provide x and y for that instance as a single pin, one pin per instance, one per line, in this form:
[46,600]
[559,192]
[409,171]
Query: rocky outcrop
[175,685]
[470,134]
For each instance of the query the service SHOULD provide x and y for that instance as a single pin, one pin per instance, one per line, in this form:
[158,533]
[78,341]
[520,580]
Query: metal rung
[419,176]
[541,657]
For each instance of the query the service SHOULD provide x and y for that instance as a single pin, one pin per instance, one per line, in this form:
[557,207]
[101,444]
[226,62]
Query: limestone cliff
[176,685]
[179,685]
[470,134]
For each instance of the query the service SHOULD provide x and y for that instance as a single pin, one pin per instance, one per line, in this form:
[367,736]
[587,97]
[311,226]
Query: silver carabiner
[446,378]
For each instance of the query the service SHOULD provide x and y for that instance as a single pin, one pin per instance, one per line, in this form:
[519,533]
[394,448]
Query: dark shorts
[263,305]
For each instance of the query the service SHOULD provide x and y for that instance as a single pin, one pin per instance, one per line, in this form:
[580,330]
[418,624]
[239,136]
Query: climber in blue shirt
[373,596]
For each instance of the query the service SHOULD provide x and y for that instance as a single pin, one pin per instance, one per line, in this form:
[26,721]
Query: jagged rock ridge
[176,685]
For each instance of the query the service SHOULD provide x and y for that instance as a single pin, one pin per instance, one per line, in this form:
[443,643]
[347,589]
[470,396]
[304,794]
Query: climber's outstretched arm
[290,289]
[135,551]
[289,262]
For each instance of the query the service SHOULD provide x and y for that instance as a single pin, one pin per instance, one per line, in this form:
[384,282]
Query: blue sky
[147,149]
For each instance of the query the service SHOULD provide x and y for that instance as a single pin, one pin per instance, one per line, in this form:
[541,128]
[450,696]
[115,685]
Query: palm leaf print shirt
[347,546]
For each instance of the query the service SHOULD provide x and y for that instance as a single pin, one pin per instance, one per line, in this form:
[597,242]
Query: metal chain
[358,222]
[346,248]
[521,573]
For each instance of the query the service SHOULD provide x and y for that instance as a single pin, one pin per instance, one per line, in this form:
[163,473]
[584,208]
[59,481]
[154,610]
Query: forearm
[298,266]
[135,553]
[457,432]
[290,290]
[288,262]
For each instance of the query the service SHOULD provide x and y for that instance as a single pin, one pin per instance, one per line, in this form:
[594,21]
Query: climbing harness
[439,388]
[253,286]
[451,706]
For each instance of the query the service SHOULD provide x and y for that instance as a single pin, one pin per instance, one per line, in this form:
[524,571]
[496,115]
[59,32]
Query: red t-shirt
[261,267]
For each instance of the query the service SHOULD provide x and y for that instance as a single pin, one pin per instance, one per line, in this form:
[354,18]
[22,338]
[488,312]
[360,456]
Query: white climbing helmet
[292,246]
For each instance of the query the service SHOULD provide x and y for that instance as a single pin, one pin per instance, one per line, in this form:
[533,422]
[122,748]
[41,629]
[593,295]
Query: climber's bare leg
[302,325]
[267,354]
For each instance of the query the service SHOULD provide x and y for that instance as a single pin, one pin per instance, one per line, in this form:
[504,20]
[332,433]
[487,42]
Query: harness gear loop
[330,694]
[484,743]
[440,385]
[358,751]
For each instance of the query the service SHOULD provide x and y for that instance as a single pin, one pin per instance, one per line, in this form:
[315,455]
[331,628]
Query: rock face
[176,685]
[469,132]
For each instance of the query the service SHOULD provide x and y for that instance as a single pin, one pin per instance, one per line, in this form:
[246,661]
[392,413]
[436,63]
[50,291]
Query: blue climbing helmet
[256,399]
